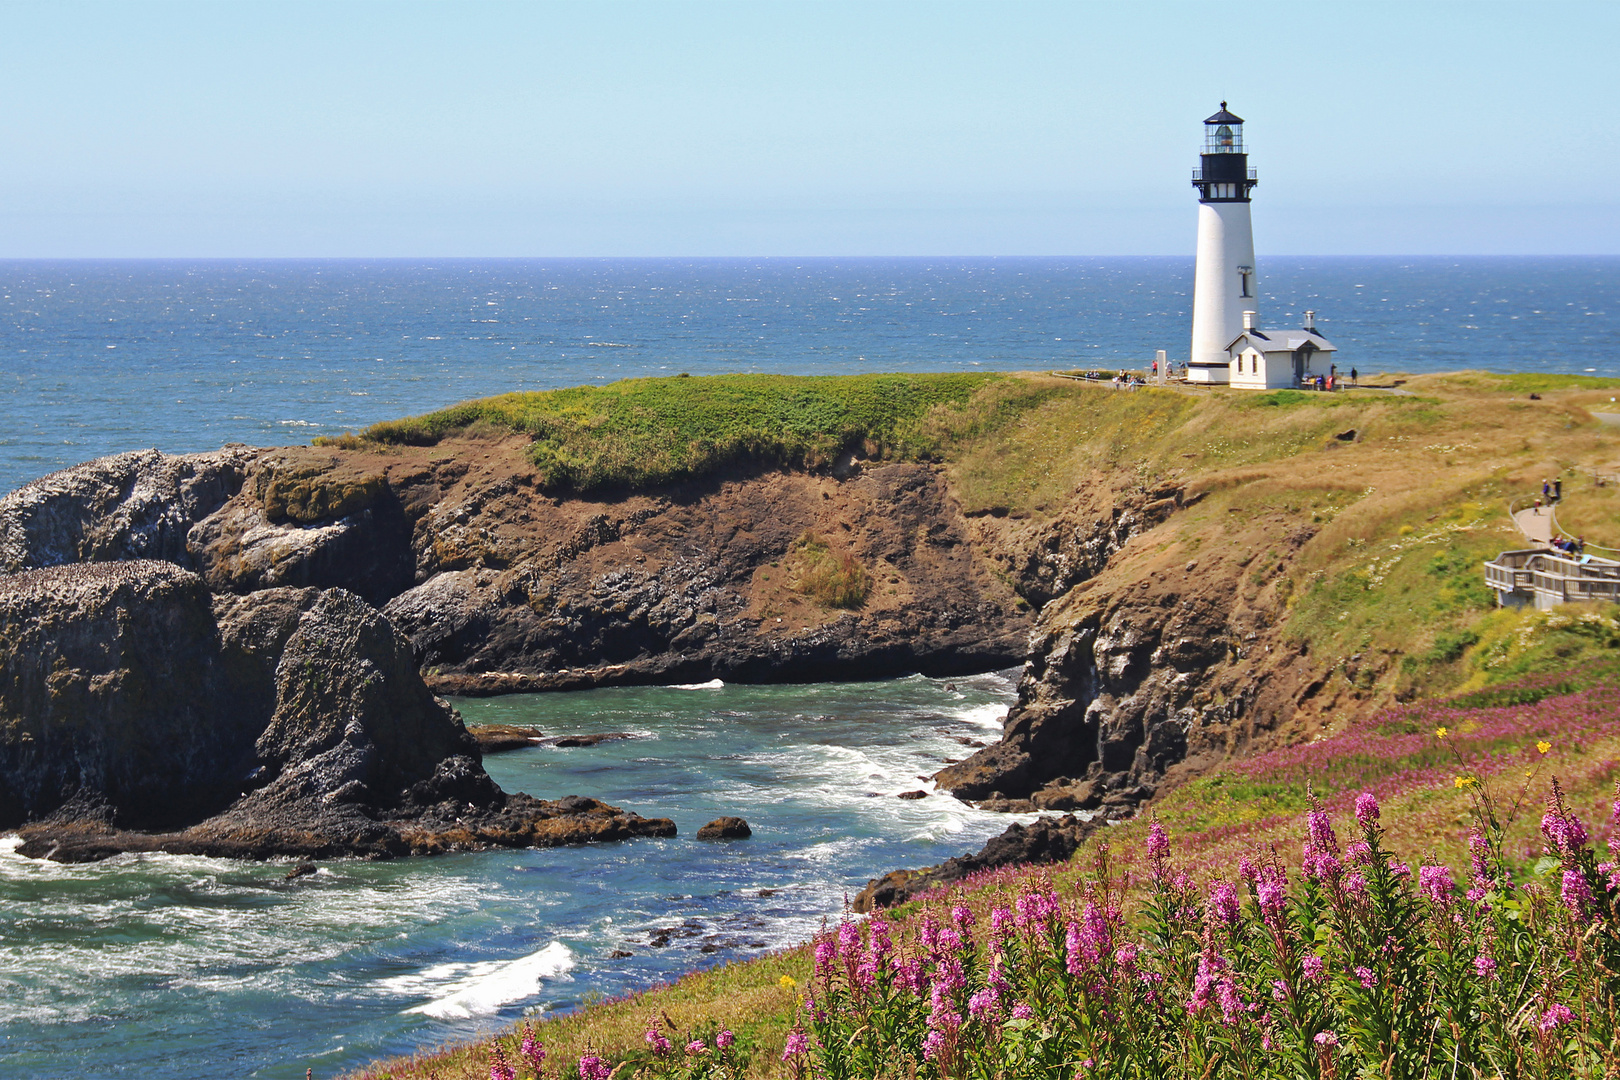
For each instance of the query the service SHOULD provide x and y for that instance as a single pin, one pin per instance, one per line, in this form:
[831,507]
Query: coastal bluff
[142,712]
[1184,576]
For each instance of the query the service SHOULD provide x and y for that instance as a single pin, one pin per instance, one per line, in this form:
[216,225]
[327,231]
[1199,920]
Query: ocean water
[163,966]
[99,357]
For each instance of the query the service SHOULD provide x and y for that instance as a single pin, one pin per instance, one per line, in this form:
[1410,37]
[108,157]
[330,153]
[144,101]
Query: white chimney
[1248,320]
[1310,321]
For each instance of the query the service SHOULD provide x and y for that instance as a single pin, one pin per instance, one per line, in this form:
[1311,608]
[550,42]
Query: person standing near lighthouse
[1225,284]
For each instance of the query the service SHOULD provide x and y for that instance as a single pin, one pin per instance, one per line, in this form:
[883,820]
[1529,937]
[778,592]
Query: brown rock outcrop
[138,712]
[1046,840]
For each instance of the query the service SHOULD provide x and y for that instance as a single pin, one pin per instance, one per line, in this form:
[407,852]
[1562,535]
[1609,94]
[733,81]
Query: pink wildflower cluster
[1361,964]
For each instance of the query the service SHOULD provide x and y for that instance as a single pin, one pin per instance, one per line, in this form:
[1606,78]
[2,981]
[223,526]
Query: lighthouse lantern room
[1225,284]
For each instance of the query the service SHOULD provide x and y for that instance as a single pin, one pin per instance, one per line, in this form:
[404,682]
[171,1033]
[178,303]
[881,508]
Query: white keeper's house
[1277,359]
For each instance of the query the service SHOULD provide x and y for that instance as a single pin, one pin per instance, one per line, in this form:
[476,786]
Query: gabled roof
[1270,341]
[1224,117]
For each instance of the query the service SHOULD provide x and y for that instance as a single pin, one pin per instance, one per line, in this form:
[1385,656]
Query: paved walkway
[1536,524]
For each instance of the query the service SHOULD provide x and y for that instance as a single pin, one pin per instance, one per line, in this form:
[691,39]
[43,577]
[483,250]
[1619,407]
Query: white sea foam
[480,989]
[712,684]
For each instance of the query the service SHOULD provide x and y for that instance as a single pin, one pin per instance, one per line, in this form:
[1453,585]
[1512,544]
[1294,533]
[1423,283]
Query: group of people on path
[1552,493]
[1332,379]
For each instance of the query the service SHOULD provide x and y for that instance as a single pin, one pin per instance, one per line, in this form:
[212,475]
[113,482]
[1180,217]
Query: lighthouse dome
[1224,117]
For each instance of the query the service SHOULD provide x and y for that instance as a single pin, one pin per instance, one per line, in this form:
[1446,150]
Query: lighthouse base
[1209,374]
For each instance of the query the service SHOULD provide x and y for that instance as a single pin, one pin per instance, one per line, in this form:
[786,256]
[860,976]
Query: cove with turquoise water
[163,966]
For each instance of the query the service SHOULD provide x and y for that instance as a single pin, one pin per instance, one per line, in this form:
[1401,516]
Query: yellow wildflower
[1440,732]
[1543,747]
[1462,781]
[787,982]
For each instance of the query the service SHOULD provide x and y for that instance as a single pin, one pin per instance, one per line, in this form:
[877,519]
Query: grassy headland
[640,432]
[1399,496]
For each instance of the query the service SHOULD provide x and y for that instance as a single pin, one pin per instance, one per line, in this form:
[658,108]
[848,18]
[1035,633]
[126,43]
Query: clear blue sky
[403,129]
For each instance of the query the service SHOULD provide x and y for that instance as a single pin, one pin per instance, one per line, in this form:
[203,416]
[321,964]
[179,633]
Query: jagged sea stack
[1224,284]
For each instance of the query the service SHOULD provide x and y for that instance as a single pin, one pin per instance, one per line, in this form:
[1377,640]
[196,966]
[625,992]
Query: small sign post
[1163,379]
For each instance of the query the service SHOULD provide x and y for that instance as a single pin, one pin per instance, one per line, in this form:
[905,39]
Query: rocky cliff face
[501,587]
[1155,666]
[140,712]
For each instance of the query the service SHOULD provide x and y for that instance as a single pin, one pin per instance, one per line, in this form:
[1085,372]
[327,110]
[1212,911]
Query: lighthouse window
[1245,273]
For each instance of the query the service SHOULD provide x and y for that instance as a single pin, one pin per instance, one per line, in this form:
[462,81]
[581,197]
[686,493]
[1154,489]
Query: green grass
[640,432]
[1528,382]
[830,579]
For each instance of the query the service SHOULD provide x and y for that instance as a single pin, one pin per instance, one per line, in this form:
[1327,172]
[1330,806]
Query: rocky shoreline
[1138,671]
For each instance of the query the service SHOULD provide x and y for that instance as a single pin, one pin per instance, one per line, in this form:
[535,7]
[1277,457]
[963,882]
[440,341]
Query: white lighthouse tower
[1224,285]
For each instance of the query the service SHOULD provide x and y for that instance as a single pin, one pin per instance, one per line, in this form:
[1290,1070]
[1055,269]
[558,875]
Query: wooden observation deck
[1548,578]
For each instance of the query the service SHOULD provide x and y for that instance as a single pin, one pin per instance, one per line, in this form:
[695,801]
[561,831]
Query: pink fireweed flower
[1158,841]
[1484,966]
[826,954]
[933,1043]
[592,1067]
[1125,957]
[1204,984]
[1279,990]
[1577,894]
[1367,978]
[1314,967]
[1355,886]
[1232,1004]
[1359,853]
[1319,831]
[1555,1015]
[656,1040]
[1435,883]
[697,1046]
[1001,922]
[849,940]
[1223,903]
[532,1051]
[1326,1039]
[1321,855]
[724,1039]
[499,1069]
[1479,852]
[1271,891]
[796,1045]
[1565,833]
[1021,1011]
[962,916]
[879,947]
[985,1005]
[1367,810]
[1247,870]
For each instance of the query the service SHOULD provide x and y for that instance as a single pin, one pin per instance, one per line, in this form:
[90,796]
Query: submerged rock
[725,828]
[499,738]
[141,713]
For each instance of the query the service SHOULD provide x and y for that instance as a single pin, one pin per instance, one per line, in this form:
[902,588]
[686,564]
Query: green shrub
[831,580]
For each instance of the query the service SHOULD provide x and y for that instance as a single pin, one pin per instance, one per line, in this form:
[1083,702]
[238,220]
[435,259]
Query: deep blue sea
[97,357]
[167,967]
